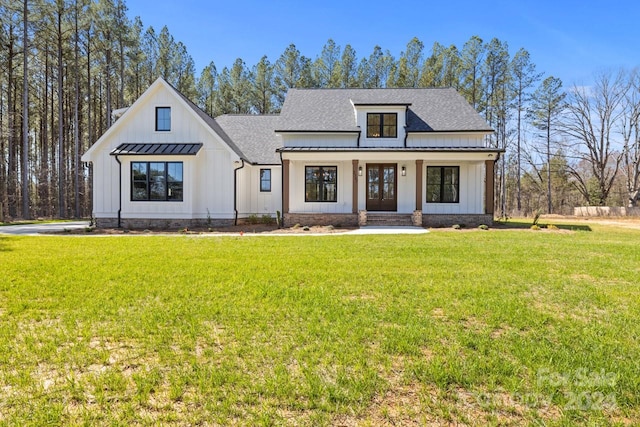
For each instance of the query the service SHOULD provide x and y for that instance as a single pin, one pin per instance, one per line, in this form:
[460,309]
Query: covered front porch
[394,187]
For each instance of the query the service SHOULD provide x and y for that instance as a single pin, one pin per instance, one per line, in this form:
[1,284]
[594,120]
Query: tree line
[66,65]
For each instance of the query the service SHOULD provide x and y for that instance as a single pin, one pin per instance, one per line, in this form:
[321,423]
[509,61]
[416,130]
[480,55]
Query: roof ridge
[247,115]
[370,88]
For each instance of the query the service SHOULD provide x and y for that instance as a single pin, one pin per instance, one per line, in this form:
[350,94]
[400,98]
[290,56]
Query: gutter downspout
[235,192]
[406,125]
[357,142]
[119,190]
[281,189]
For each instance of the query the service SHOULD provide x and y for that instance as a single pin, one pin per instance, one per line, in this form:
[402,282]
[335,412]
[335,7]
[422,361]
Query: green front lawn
[474,327]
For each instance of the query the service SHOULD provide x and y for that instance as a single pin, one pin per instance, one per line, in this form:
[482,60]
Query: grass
[500,327]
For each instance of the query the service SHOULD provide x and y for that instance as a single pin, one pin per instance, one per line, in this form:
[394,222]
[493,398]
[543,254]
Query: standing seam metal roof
[139,149]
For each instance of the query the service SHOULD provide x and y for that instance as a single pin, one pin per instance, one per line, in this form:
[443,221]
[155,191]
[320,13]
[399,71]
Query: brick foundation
[343,220]
[145,223]
[290,219]
[447,220]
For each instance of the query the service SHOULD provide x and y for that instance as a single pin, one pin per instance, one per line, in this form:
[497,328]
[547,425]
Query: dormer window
[382,125]
[163,119]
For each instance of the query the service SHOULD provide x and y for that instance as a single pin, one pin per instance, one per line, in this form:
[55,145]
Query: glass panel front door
[381,187]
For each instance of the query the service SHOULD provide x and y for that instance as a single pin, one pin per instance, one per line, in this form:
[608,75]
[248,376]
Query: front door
[382,187]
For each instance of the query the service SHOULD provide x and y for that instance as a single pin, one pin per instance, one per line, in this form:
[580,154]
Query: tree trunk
[25,116]
[61,168]
[12,168]
[549,204]
[76,131]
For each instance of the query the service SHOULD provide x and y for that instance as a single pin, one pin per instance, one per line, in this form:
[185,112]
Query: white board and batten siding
[472,182]
[207,176]
[444,140]
[297,189]
[252,201]
[342,140]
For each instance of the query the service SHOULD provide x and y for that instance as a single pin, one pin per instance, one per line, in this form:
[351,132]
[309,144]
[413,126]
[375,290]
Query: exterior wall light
[403,171]
[359,170]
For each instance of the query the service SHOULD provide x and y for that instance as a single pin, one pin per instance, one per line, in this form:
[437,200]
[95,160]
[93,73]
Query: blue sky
[568,39]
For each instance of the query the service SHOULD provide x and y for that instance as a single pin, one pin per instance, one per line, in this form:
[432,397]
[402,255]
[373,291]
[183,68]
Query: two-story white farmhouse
[333,156]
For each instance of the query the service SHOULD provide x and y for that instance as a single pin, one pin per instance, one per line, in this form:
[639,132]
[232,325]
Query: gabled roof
[332,110]
[211,122]
[254,135]
[200,115]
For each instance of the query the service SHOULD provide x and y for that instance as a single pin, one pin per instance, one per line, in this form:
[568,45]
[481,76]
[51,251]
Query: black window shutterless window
[443,184]
[157,181]
[382,125]
[163,119]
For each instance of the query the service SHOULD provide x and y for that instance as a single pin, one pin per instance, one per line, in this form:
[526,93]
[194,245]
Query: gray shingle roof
[254,135]
[430,110]
[210,121]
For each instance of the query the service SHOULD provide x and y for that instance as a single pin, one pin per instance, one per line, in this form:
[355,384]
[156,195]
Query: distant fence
[605,211]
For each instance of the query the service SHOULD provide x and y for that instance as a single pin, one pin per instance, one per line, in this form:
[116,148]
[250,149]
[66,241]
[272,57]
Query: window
[443,184]
[320,183]
[265,180]
[382,125]
[163,119]
[156,181]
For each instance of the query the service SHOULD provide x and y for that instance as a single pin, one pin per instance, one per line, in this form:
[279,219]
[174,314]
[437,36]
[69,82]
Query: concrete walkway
[35,229]
[38,229]
[388,230]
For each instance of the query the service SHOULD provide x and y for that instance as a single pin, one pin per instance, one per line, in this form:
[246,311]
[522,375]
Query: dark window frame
[163,128]
[146,181]
[442,184]
[321,170]
[265,184]
[381,126]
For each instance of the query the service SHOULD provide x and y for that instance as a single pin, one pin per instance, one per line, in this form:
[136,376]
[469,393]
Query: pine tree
[547,103]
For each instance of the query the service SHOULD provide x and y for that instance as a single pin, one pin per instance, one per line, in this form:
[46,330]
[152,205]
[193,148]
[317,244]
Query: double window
[265,180]
[321,183]
[443,184]
[382,125]
[156,181]
[163,119]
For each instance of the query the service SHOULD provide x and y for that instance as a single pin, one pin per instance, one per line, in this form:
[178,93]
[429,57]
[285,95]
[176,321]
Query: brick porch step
[390,219]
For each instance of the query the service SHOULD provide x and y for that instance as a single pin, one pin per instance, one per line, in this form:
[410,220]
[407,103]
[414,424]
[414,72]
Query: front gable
[160,116]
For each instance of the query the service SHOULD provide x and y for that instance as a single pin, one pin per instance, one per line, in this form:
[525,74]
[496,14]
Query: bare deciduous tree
[630,130]
[590,124]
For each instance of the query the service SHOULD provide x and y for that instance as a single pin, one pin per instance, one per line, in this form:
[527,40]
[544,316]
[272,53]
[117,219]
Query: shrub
[551,227]
[305,228]
[267,219]
[253,219]
[456,226]
[296,226]
[88,229]
[536,217]
[483,227]
[535,227]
